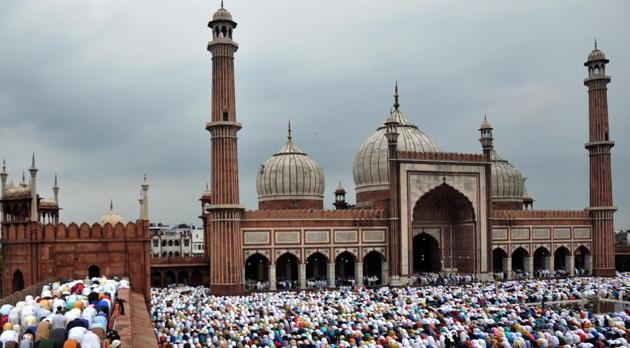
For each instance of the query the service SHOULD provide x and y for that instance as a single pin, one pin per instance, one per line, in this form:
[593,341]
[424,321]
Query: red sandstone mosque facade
[418,209]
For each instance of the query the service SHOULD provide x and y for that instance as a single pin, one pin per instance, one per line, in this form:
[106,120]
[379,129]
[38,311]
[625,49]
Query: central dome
[110,217]
[290,179]
[370,167]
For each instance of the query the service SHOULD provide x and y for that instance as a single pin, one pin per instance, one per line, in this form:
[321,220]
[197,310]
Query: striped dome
[290,174]
[507,182]
[370,167]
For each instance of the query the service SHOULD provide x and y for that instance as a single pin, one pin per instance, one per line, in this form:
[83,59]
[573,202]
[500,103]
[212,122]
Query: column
[358,273]
[302,275]
[569,262]
[507,267]
[331,275]
[529,266]
[272,277]
[588,264]
[549,264]
[384,273]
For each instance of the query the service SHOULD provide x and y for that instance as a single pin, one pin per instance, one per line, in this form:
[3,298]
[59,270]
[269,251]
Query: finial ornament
[595,39]
[23,177]
[4,165]
[221,3]
[33,161]
[290,135]
[396,104]
[55,179]
[111,204]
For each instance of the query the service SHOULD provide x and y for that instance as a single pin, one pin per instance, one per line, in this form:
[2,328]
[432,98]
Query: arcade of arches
[443,232]
[562,259]
[346,269]
[160,278]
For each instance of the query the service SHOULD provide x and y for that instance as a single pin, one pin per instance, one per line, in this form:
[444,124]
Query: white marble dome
[370,167]
[111,217]
[507,182]
[290,174]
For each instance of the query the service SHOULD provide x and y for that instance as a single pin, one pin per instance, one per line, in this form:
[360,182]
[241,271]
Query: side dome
[508,187]
[290,180]
[111,217]
[370,168]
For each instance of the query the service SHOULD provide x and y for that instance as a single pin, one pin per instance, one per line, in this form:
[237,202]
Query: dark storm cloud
[105,91]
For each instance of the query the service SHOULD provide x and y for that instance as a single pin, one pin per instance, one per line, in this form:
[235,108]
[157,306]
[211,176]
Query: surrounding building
[179,241]
[418,209]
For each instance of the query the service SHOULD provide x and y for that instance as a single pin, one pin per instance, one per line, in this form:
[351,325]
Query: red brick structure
[601,204]
[34,251]
[223,211]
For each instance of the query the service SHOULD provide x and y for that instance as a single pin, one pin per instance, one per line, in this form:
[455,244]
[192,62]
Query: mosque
[417,209]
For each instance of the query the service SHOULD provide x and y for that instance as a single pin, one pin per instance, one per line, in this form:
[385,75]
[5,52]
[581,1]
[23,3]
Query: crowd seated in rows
[472,314]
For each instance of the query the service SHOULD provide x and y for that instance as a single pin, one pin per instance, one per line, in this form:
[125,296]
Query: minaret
[3,178]
[487,145]
[145,199]
[141,201]
[392,133]
[33,170]
[56,190]
[601,203]
[223,229]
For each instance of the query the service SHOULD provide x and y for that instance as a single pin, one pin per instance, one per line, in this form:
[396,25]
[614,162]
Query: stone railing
[33,290]
[134,327]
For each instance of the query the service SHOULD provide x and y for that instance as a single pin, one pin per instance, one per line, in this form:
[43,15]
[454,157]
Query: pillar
[384,273]
[588,264]
[272,277]
[302,275]
[358,273]
[529,265]
[507,267]
[549,263]
[331,275]
[569,262]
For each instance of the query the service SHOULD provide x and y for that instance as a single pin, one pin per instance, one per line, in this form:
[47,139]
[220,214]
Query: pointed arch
[62,232]
[119,231]
[49,232]
[443,202]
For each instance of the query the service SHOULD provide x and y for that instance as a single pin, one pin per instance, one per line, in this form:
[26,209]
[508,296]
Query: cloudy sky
[104,91]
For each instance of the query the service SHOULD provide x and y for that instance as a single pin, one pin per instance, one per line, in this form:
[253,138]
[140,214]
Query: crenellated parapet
[315,214]
[441,156]
[132,231]
[540,214]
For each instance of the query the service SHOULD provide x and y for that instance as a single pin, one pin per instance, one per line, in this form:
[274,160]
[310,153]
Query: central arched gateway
[444,232]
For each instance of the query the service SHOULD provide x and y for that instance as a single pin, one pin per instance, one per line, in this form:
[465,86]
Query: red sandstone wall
[68,251]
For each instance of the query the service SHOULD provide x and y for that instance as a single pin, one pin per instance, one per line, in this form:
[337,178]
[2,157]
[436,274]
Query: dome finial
[290,137]
[4,166]
[221,3]
[595,39]
[111,204]
[396,104]
[23,177]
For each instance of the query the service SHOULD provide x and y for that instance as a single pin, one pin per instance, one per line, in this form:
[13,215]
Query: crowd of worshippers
[74,314]
[372,280]
[490,314]
[541,273]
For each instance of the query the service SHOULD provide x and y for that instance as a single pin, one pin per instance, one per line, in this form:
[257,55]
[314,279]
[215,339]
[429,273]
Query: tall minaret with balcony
[601,203]
[224,213]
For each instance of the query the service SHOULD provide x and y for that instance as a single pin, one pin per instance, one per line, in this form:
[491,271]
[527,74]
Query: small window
[156,243]
[606,136]
[185,242]
[225,115]
[163,243]
[176,243]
